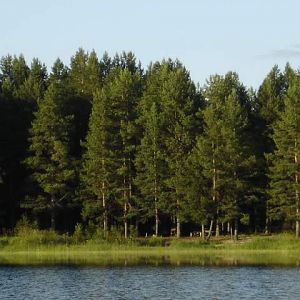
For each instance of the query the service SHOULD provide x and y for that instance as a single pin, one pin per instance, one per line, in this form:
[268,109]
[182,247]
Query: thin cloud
[282,53]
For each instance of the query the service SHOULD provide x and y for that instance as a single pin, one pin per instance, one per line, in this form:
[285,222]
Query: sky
[207,36]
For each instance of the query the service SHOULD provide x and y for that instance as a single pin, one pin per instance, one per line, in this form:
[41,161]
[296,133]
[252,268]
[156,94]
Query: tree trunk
[104,209]
[297,212]
[52,213]
[156,222]
[125,229]
[104,202]
[125,221]
[210,230]
[178,233]
[228,228]
[129,194]
[236,224]
[297,225]
[155,203]
[217,228]
[202,231]
[125,199]
[297,193]
[214,199]
[222,228]
[267,228]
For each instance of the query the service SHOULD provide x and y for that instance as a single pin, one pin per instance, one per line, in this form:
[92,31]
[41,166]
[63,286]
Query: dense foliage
[114,147]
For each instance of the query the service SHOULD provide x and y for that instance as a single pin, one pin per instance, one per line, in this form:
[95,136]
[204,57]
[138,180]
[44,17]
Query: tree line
[105,143]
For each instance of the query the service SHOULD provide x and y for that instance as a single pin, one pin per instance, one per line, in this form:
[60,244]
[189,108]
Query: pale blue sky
[212,36]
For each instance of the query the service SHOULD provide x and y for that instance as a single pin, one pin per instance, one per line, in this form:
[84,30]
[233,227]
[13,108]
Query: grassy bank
[36,247]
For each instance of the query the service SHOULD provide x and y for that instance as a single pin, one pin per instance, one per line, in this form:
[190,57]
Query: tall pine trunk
[297,193]
[52,212]
[178,233]
[217,226]
[155,200]
[125,221]
[267,227]
[104,202]
[125,203]
[228,227]
[236,224]
[156,221]
[202,231]
[210,229]
[104,209]
[214,194]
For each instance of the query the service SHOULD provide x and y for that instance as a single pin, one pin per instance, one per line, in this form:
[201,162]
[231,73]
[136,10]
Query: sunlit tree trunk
[178,233]
[210,229]
[52,212]
[297,193]
[202,231]
[236,224]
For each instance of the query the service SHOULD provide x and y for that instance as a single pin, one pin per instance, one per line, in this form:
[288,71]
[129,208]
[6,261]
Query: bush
[78,235]
[4,241]
[195,243]
[25,228]
[155,241]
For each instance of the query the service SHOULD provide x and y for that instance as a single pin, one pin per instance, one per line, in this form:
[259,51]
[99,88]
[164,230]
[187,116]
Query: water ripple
[149,283]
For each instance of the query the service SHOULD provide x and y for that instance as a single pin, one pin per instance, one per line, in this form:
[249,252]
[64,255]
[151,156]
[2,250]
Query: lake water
[144,282]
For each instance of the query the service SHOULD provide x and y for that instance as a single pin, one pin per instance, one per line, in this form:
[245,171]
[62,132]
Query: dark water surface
[141,282]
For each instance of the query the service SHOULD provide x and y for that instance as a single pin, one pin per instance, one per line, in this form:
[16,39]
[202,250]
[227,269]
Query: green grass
[35,247]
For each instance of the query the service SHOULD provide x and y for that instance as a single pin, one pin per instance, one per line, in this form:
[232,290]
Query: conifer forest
[108,144]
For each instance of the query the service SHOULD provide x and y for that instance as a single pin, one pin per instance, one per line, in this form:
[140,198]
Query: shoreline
[277,250]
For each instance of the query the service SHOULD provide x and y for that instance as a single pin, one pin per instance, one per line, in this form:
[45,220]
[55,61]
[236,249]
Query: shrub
[25,228]
[78,235]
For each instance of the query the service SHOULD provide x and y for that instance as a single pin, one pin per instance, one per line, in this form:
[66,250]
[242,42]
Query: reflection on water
[107,259]
[146,282]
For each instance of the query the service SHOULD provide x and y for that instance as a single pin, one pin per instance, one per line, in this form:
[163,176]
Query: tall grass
[28,238]
[284,241]
[32,246]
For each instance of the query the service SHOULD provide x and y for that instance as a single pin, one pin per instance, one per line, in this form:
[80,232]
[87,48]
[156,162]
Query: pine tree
[284,169]
[105,66]
[78,74]
[151,166]
[98,165]
[268,105]
[59,72]
[197,203]
[172,93]
[239,160]
[34,87]
[124,89]
[14,72]
[20,70]
[49,160]
[221,149]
